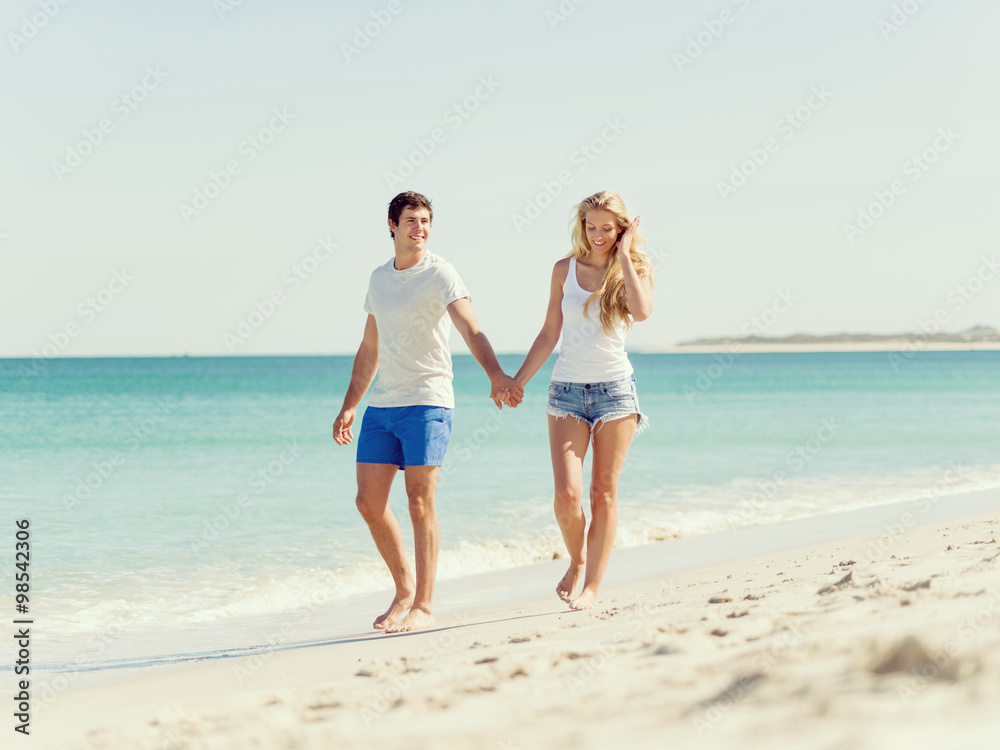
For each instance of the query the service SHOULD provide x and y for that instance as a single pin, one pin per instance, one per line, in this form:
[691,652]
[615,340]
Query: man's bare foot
[400,604]
[586,600]
[418,619]
[567,585]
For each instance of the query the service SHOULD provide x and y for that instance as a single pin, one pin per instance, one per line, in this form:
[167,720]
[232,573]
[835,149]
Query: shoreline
[337,616]
[483,620]
[909,347]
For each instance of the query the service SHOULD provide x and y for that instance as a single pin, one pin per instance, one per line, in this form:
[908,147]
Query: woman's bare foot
[400,603]
[567,585]
[586,600]
[418,619]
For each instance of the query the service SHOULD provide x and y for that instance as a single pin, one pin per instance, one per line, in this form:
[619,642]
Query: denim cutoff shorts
[596,402]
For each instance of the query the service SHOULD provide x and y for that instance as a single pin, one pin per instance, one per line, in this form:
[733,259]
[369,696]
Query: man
[407,424]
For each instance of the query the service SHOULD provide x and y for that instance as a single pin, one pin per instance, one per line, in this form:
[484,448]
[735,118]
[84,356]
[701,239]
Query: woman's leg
[611,441]
[568,440]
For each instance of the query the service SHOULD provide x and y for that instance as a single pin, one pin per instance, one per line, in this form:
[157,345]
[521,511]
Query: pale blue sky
[684,128]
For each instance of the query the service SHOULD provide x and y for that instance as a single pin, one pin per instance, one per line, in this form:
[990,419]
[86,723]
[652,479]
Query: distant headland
[976,337]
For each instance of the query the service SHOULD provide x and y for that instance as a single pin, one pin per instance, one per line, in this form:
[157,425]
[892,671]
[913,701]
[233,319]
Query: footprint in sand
[731,693]
[910,655]
[665,649]
[838,585]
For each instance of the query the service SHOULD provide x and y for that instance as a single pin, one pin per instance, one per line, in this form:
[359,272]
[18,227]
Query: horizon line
[734,347]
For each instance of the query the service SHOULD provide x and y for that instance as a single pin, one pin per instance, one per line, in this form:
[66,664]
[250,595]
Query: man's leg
[421,483]
[374,482]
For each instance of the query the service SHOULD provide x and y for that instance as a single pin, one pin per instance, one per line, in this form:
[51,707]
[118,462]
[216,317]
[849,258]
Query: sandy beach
[876,628]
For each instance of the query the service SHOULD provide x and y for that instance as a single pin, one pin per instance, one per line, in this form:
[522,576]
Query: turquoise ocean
[172,501]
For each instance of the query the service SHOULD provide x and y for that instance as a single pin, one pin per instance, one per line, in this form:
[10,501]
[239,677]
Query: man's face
[413,229]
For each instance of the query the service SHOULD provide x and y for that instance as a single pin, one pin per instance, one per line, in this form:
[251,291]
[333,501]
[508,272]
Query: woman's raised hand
[625,243]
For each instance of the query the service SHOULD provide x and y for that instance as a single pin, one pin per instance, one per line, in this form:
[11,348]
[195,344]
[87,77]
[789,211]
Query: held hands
[625,243]
[506,390]
[508,398]
[342,434]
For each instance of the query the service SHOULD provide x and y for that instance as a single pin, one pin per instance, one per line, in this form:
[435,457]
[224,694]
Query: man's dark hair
[406,200]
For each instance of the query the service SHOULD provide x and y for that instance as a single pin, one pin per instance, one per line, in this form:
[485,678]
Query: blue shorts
[405,435]
[596,402]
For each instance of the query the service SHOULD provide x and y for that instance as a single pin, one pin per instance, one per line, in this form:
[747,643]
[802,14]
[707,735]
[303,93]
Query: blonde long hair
[611,292]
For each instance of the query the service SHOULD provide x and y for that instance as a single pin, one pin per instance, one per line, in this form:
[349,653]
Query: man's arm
[465,321]
[362,375]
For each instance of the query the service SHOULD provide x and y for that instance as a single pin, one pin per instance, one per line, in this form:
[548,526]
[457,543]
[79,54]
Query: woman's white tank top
[588,354]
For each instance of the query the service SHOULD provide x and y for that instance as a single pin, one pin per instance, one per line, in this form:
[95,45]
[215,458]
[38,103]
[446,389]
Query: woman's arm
[548,337]
[638,289]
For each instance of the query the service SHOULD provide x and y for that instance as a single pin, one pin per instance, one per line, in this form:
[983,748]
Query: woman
[598,291]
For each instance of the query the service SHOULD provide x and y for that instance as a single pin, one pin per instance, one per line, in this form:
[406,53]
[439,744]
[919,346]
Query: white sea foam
[218,594]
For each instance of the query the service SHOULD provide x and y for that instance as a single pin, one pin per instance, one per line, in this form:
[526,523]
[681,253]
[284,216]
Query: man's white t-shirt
[411,312]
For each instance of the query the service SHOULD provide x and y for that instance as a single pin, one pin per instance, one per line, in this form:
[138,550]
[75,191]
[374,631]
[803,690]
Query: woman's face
[601,229]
